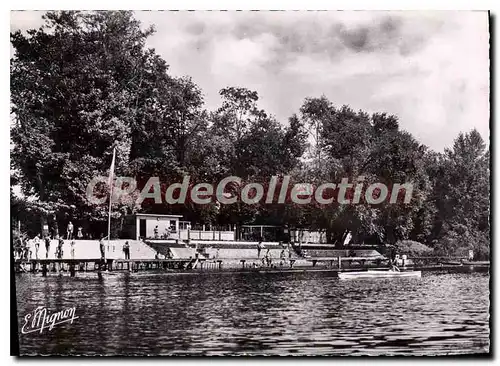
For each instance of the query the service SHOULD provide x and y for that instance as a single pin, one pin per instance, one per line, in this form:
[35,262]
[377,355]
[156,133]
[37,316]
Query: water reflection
[273,314]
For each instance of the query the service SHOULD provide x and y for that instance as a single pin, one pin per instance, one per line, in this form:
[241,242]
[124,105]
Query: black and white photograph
[250,183]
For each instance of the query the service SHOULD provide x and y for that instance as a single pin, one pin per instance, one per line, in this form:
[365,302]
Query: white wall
[89,249]
[207,235]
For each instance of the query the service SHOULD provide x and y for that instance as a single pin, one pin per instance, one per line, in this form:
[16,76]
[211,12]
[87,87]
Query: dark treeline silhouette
[85,82]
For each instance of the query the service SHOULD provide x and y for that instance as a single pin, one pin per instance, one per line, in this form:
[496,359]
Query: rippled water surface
[259,314]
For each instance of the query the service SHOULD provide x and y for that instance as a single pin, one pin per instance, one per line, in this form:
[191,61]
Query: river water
[258,314]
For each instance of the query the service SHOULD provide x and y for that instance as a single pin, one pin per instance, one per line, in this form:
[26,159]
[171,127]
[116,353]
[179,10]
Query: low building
[142,226]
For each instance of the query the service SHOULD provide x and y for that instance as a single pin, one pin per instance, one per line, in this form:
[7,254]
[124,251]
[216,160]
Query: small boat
[378,274]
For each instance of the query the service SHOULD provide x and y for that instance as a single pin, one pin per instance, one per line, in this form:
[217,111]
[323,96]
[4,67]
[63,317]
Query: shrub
[413,248]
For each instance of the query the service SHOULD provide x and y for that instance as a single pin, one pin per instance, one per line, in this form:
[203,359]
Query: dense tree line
[85,82]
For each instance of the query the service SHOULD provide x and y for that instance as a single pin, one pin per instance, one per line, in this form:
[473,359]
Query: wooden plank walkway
[46,265]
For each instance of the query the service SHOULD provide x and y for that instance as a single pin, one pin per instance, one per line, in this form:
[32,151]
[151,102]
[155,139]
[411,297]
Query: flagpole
[111,174]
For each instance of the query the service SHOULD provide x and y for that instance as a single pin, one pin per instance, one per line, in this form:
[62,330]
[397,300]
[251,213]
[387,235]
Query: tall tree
[462,197]
[80,85]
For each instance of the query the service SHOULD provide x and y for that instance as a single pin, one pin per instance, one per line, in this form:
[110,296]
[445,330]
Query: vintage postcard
[252,183]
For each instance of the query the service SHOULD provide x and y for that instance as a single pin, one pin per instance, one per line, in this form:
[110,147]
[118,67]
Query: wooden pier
[202,264]
[73,266]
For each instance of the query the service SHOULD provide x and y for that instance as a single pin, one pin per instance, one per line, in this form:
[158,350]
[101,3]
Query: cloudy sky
[428,68]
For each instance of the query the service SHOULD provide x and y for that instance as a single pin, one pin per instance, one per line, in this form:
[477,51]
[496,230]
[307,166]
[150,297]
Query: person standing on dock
[196,250]
[60,248]
[101,245]
[69,231]
[126,250]
[53,231]
[72,244]
[79,234]
[268,258]
[259,248]
[47,246]
[26,252]
[36,241]
[167,233]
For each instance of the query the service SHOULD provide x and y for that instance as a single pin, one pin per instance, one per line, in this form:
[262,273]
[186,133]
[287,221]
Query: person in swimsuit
[101,245]
[60,248]
[47,246]
[37,245]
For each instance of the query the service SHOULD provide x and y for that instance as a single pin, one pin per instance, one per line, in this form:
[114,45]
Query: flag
[112,170]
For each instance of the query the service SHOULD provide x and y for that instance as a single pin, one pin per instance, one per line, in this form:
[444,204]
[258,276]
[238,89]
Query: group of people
[166,234]
[25,251]
[69,232]
[54,232]
[102,246]
[267,259]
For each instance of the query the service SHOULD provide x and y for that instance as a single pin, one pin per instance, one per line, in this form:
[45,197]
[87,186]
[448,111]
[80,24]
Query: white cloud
[22,20]
[429,68]
[240,54]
